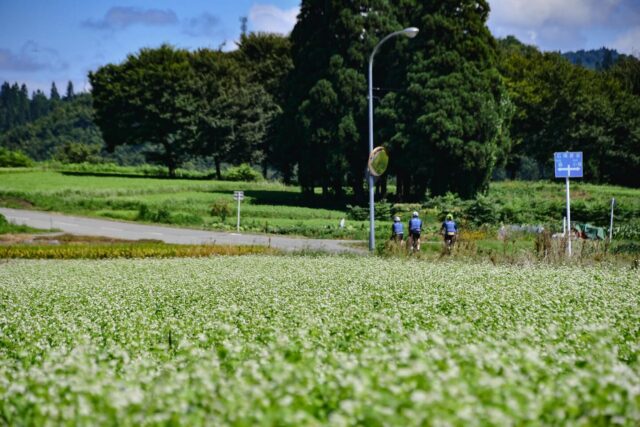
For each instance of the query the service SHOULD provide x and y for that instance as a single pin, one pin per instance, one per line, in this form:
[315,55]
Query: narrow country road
[132,231]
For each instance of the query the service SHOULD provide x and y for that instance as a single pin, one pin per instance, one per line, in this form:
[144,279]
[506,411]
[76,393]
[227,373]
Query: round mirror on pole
[378,161]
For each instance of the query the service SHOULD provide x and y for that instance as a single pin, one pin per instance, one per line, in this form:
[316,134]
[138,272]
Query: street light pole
[410,32]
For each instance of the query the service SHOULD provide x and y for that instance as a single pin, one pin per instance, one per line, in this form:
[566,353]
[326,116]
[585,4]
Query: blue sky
[59,40]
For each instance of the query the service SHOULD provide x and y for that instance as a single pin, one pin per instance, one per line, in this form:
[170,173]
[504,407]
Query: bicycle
[414,242]
[449,242]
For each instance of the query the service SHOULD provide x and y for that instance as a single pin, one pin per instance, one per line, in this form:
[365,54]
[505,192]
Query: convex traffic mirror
[378,161]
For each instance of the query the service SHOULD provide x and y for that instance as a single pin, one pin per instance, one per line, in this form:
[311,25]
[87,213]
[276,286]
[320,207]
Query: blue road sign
[568,165]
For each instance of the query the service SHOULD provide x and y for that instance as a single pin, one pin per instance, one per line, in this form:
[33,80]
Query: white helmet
[415,214]
[396,218]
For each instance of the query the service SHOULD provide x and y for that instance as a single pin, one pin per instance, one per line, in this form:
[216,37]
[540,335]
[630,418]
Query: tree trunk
[357,184]
[381,187]
[399,188]
[287,174]
[216,160]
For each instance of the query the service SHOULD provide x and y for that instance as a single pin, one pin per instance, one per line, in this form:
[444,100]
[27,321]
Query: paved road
[127,230]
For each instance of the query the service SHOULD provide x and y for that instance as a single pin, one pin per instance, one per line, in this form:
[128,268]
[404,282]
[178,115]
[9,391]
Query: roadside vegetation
[110,250]
[271,207]
[6,227]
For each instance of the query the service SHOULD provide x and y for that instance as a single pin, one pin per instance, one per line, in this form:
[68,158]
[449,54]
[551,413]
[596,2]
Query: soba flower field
[295,340]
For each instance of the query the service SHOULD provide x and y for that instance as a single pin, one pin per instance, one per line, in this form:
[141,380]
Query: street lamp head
[410,32]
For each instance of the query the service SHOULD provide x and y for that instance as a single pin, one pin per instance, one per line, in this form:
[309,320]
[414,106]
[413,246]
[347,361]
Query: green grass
[16,228]
[317,341]
[546,200]
[8,228]
[270,207]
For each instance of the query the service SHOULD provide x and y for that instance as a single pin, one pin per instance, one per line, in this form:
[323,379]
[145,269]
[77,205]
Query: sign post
[239,196]
[568,165]
[376,166]
[613,203]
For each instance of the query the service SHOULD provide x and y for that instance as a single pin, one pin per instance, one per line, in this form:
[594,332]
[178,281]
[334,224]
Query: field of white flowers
[274,340]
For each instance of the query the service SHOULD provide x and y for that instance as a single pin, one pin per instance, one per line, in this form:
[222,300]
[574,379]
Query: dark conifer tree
[326,104]
[24,113]
[5,91]
[54,95]
[70,94]
[39,105]
[455,109]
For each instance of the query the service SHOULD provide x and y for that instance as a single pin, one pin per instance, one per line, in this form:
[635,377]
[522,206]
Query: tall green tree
[233,113]
[39,105]
[54,95]
[627,71]
[326,104]
[267,58]
[14,106]
[565,107]
[148,99]
[70,93]
[455,107]
[441,106]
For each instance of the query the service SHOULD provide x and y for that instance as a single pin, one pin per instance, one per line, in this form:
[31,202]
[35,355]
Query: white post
[372,232]
[411,33]
[613,202]
[568,215]
[238,223]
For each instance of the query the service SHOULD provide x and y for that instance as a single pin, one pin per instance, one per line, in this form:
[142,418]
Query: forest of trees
[454,107]
[17,107]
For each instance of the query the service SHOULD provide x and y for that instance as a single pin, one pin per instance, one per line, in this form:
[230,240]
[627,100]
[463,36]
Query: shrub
[528,170]
[185,218]
[76,152]
[482,210]
[361,213]
[5,227]
[244,172]
[449,203]
[220,209]
[630,231]
[12,159]
[163,215]
[144,213]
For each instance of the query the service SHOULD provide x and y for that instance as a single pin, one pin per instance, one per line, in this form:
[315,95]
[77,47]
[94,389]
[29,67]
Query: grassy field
[317,341]
[270,207]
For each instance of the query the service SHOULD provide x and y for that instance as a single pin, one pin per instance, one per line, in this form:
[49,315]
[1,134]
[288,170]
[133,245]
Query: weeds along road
[132,231]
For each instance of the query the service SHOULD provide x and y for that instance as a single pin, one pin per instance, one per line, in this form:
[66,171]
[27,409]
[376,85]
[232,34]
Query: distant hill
[69,121]
[595,59]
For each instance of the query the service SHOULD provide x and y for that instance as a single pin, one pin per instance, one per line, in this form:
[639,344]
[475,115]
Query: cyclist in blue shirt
[449,230]
[397,230]
[415,228]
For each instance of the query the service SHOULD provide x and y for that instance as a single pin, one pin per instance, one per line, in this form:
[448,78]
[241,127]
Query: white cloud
[272,19]
[118,18]
[31,57]
[629,42]
[567,24]
[205,25]
[534,13]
